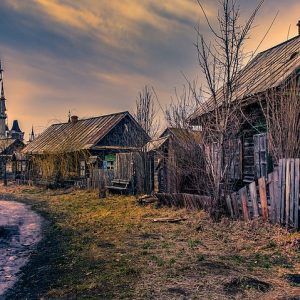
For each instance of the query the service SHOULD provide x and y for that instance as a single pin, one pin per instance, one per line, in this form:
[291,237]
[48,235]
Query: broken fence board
[243,195]
[263,198]
[253,196]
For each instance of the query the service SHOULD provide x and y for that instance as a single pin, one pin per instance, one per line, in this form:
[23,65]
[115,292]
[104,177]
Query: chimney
[74,119]
[298,24]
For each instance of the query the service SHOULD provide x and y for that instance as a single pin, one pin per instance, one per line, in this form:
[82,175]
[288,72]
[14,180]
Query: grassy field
[111,249]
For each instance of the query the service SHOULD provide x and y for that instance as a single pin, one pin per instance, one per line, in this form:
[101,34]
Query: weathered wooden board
[297,192]
[276,195]
[263,198]
[272,211]
[244,200]
[229,205]
[287,192]
[253,196]
[235,205]
[292,191]
[282,170]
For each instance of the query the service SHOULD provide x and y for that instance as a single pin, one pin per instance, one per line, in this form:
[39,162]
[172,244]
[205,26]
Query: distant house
[11,141]
[268,71]
[83,146]
[172,155]
[9,149]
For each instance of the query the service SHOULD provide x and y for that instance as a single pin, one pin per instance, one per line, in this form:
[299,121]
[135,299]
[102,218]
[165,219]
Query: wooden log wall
[275,198]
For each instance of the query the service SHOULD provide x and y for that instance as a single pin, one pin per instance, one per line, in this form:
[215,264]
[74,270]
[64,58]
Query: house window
[82,168]
[109,162]
[9,167]
[110,165]
[24,166]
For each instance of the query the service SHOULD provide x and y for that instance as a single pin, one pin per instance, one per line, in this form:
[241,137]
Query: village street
[20,230]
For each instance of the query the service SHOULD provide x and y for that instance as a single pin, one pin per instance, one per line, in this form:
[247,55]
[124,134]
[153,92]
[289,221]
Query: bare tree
[146,112]
[218,112]
[180,108]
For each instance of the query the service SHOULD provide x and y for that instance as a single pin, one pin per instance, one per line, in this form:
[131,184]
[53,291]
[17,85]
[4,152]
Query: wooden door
[260,155]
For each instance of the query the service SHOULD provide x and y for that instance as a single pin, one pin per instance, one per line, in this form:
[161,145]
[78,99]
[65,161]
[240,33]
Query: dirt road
[20,231]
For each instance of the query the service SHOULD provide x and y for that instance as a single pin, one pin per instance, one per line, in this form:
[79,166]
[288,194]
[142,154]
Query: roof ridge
[85,119]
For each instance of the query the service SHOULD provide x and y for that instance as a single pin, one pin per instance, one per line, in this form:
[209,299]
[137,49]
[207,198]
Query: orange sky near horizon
[93,56]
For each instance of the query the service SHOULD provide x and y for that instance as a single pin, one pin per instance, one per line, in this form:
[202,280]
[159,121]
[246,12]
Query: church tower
[3,115]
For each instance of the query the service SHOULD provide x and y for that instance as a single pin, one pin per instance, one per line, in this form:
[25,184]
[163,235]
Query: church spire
[3,115]
[31,135]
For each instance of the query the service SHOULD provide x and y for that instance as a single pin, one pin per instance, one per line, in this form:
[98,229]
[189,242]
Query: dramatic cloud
[93,56]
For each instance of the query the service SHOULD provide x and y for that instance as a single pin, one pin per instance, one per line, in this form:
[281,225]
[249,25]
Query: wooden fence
[99,178]
[275,198]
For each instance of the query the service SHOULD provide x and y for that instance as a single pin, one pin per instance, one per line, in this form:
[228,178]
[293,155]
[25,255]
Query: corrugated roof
[68,137]
[267,70]
[183,136]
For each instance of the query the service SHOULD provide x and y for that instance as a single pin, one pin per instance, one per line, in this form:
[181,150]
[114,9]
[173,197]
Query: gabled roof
[269,69]
[155,144]
[183,136]
[7,143]
[82,135]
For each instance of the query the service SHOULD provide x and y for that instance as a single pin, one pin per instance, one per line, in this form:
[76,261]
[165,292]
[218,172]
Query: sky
[92,57]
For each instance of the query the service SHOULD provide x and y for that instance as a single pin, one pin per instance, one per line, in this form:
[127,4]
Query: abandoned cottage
[81,150]
[270,74]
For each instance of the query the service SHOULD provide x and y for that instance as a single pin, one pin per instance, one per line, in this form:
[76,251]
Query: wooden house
[9,150]
[268,71]
[87,148]
[169,158]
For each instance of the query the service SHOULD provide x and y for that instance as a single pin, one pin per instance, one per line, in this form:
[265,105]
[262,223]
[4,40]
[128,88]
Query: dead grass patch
[110,249]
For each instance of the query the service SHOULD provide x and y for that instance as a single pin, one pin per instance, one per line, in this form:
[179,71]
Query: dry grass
[110,249]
